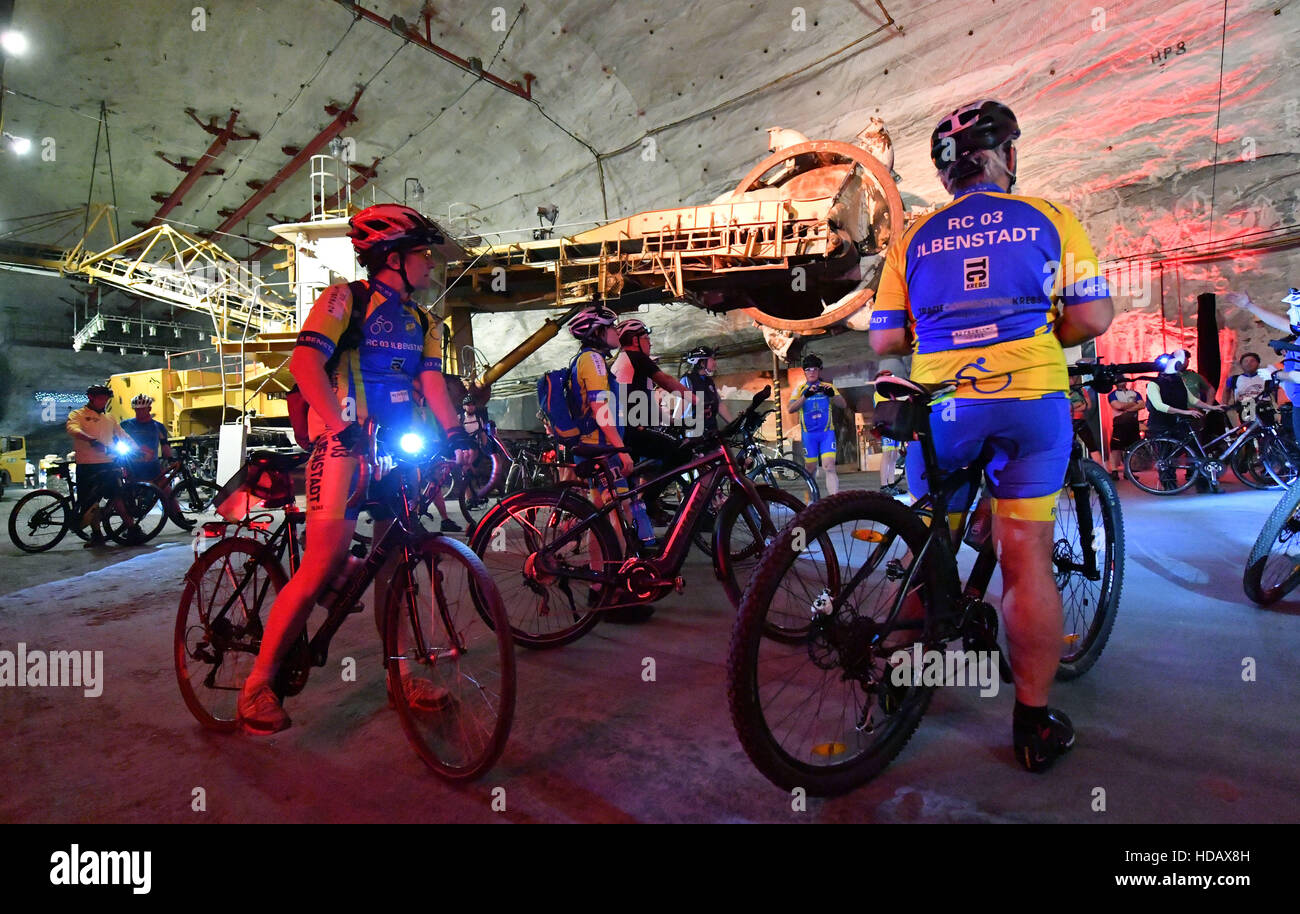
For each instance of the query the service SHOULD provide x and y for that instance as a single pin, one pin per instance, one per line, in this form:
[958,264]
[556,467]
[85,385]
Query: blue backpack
[555,396]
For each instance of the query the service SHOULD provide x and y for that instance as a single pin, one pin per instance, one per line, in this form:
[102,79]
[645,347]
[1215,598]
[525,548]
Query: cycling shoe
[1039,745]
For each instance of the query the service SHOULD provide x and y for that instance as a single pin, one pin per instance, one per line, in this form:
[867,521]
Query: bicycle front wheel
[1263,453]
[134,514]
[228,594]
[451,674]
[1161,466]
[828,711]
[1273,568]
[1088,562]
[194,497]
[39,520]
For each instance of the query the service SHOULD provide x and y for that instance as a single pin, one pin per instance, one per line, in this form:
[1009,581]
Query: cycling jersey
[980,284]
[151,435]
[815,414]
[377,378]
[591,380]
[100,426]
[706,393]
[633,387]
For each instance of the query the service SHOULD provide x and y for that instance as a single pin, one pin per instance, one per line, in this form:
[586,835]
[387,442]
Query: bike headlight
[122,448]
[411,443]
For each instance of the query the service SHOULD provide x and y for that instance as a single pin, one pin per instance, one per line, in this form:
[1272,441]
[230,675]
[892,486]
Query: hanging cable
[1218,116]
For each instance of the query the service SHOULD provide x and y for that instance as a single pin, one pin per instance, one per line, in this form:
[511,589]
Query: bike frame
[713,467]
[1243,433]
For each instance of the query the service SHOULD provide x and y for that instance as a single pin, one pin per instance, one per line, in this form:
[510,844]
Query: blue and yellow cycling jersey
[591,378]
[980,283]
[376,379]
[815,414]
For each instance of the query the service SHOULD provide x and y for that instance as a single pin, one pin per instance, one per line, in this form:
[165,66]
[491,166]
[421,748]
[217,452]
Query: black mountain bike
[827,711]
[131,513]
[451,677]
[559,564]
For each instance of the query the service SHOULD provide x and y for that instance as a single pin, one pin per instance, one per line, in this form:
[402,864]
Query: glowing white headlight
[412,443]
[122,447]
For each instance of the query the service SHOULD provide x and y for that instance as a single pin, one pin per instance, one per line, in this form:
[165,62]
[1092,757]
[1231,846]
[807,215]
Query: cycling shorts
[332,476]
[1029,443]
[818,444]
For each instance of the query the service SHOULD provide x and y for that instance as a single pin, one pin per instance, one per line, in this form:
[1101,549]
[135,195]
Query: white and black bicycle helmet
[985,124]
[140,401]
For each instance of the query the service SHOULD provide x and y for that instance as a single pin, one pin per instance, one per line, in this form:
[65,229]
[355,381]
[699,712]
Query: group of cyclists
[962,293]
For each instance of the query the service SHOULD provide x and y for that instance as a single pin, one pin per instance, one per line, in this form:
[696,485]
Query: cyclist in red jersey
[376,377]
[987,291]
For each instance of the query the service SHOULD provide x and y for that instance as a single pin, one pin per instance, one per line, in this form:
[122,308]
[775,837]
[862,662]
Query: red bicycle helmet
[389,226]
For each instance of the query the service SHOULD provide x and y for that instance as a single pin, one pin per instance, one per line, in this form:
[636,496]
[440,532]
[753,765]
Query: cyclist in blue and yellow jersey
[355,360]
[812,400]
[986,291]
[888,449]
[595,328]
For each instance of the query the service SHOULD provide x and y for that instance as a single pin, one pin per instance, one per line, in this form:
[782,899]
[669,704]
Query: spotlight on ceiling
[122,349]
[153,331]
[99,348]
[177,331]
[126,328]
[14,42]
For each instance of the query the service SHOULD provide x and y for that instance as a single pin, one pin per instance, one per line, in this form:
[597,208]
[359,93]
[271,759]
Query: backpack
[350,339]
[555,396]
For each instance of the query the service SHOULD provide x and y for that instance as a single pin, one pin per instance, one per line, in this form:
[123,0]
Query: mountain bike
[560,565]
[828,711]
[1273,567]
[446,643]
[1169,463]
[130,512]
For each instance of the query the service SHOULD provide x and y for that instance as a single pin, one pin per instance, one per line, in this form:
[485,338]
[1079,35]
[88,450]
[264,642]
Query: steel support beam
[341,120]
[200,168]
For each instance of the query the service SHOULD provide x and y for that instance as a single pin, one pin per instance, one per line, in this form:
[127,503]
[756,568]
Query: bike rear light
[259,525]
[214,528]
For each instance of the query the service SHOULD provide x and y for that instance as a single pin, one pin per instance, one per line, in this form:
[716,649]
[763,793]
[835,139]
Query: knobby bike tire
[806,761]
[44,509]
[450,659]
[1251,458]
[139,500]
[740,545]
[551,612]
[213,650]
[1282,526]
[1088,629]
[1153,450]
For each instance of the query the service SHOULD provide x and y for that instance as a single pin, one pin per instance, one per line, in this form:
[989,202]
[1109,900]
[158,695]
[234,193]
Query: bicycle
[535,463]
[40,520]
[185,496]
[829,710]
[543,544]
[443,623]
[1167,464]
[776,472]
[1273,566]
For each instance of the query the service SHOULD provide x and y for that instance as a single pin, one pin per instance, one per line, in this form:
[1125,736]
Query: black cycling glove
[352,437]
[459,440]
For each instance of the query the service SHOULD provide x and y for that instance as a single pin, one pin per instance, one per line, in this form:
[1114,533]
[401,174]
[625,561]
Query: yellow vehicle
[13,460]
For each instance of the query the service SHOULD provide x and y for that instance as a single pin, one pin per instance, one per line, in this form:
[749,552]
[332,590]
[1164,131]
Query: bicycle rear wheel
[451,674]
[1273,568]
[194,496]
[827,712]
[1263,453]
[1161,466]
[1088,520]
[39,520]
[546,610]
[228,592]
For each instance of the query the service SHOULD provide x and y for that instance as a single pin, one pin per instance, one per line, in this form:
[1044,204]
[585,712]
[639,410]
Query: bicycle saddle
[896,388]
